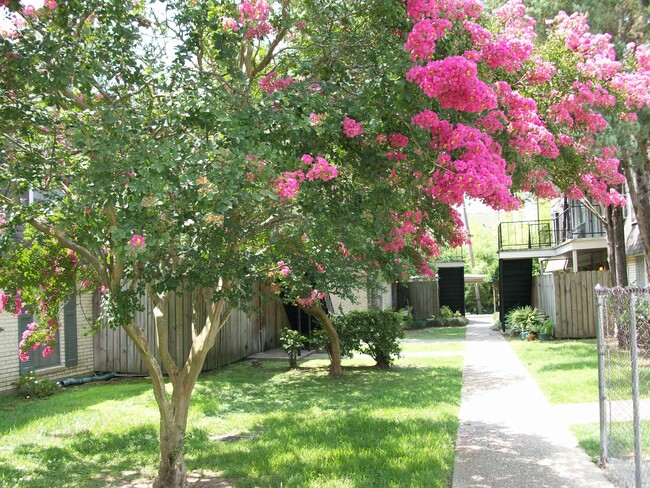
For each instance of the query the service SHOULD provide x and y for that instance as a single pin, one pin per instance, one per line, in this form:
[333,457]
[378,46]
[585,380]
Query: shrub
[453,321]
[292,341]
[29,385]
[373,332]
[525,318]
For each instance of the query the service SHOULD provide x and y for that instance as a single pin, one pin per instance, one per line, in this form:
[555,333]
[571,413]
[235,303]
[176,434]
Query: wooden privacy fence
[241,336]
[423,297]
[569,300]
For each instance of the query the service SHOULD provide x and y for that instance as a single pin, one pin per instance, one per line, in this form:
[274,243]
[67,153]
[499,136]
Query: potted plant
[524,320]
[546,329]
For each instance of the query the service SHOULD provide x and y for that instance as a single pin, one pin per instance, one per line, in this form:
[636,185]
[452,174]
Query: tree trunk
[316,310]
[619,246]
[172,472]
[611,245]
[637,172]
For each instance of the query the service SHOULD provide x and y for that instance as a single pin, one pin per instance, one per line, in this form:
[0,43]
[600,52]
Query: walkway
[508,436]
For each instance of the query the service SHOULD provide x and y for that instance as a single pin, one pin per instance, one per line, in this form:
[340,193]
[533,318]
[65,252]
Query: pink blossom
[315,119]
[29,10]
[381,139]
[352,128]
[421,41]
[137,241]
[23,355]
[307,159]
[230,24]
[4,298]
[18,304]
[47,351]
[454,82]
[398,140]
[51,4]
[284,269]
[322,170]
[270,83]
[343,250]
[287,187]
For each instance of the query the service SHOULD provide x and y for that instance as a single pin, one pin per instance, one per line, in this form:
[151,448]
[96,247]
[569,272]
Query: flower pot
[523,335]
[544,337]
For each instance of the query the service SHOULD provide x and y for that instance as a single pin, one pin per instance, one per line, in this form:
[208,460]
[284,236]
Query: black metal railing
[544,234]
[534,234]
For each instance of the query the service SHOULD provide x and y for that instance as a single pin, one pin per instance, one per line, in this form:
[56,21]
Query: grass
[566,371]
[295,428]
[452,340]
[620,435]
[436,333]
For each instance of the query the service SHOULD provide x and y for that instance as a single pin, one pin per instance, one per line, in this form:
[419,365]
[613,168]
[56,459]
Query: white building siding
[362,300]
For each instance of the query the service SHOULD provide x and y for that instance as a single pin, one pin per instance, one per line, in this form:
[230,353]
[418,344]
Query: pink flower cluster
[287,187]
[270,83]
[137,242]
[309,301]
[454,82]
[537,181]
[321,170]
[633,86]
[596,49]
[352,128]
[543,72]
[453,10]
[398,140]
[469,162]
[284,269]
[421,41]
[32,339]
[18,303]
[254,15]
[574,109]
[530,135]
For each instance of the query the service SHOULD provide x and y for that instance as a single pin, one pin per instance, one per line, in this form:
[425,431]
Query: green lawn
[621,439]
[567,371]
[434,333]
[283,428]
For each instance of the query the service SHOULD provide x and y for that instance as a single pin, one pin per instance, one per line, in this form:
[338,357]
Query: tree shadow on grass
[336,449]
[85,459]
[261,392]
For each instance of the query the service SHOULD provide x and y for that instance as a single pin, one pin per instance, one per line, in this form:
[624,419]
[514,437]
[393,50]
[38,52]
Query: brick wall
[9,339]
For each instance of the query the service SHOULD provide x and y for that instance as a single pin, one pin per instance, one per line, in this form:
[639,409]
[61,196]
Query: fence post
[602,397]
[634,358]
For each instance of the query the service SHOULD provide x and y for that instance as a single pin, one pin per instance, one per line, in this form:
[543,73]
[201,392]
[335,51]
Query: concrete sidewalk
[508,436]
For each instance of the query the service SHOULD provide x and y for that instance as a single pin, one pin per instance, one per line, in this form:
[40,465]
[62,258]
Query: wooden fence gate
[569,300]
[241,336]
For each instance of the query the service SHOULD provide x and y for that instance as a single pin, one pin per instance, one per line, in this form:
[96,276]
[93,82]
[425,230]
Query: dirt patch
[197,479]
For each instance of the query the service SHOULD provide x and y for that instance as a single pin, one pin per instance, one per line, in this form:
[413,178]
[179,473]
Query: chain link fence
[624,384]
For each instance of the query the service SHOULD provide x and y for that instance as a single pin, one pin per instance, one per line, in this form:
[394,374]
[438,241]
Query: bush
[454,321]
[31,386]
[292,341]
[526,318]
[373,332]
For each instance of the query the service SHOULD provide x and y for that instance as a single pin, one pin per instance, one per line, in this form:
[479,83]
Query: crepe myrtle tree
[152,179]
[161,172]
[202,146]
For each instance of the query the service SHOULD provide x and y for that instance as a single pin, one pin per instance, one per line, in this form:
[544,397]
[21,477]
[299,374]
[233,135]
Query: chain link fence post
[602,396]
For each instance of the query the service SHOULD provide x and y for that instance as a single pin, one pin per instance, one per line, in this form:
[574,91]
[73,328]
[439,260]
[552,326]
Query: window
[36,359]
